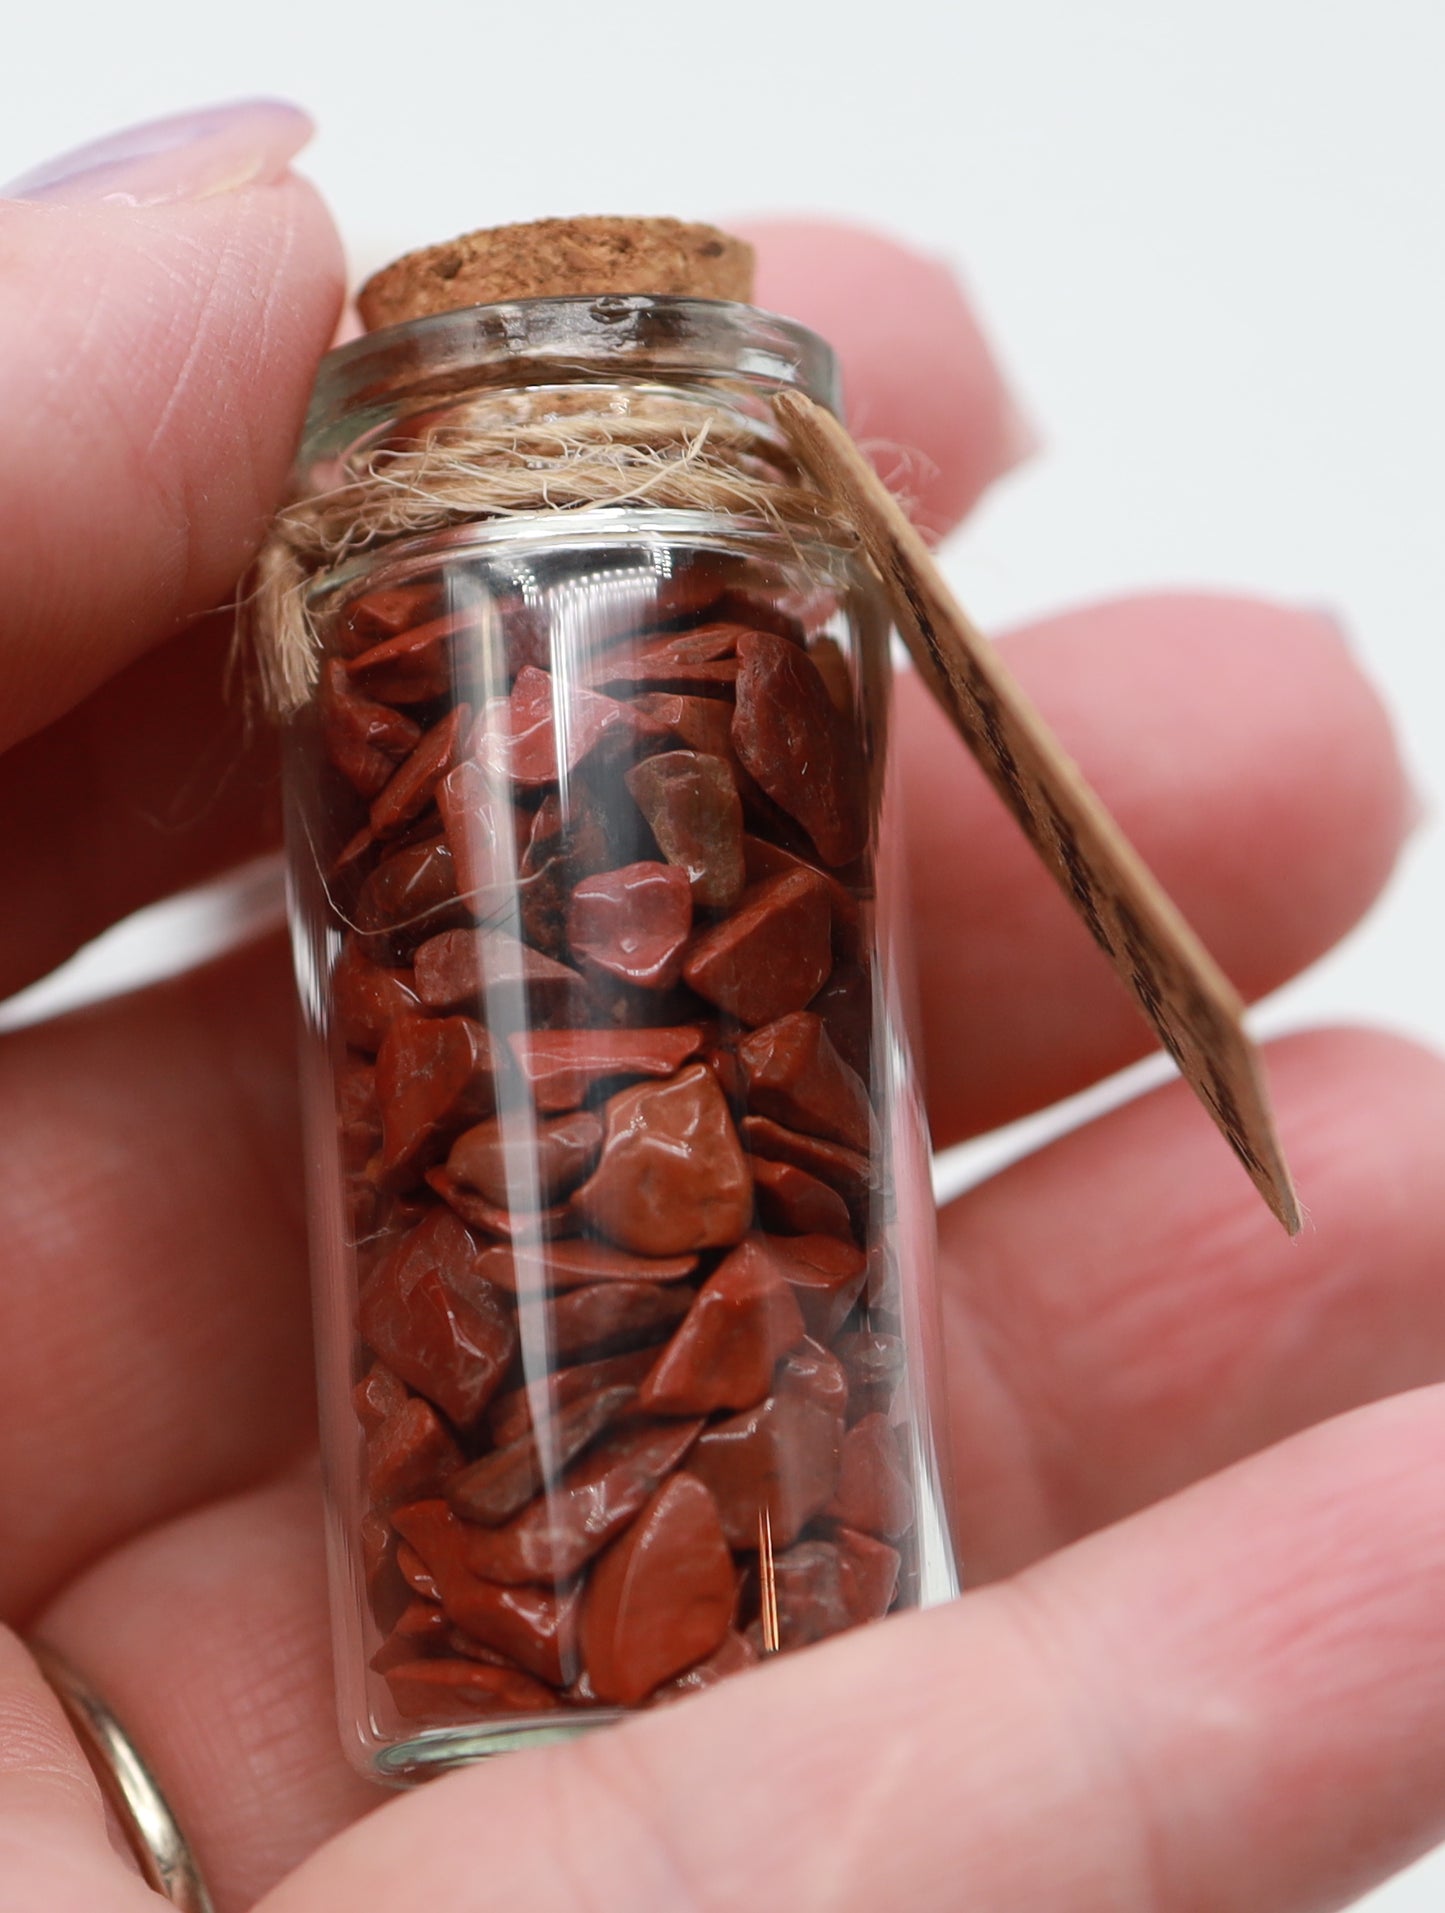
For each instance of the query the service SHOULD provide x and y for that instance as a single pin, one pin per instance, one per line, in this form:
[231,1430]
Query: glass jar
[622,1229]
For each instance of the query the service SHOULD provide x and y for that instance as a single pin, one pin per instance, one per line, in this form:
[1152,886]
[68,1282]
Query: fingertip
[924,388]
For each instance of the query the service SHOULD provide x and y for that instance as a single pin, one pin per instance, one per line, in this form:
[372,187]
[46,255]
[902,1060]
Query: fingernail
[190,156]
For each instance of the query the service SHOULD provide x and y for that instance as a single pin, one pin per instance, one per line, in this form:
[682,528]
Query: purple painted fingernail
[190,156]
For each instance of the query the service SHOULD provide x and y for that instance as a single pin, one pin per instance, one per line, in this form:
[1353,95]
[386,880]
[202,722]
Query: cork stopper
[559,258]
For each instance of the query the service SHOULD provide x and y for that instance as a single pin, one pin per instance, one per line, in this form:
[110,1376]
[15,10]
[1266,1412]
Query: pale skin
[1199,1498]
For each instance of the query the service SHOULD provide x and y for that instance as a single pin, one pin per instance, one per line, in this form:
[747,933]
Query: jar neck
[728,359]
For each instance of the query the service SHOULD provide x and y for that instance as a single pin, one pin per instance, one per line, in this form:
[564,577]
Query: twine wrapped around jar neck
[513,457]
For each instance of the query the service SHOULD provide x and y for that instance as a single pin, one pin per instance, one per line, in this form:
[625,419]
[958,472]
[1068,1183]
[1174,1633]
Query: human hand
[1181,1688]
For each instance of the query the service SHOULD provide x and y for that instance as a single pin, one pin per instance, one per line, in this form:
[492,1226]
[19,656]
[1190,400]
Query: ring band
[150,1828]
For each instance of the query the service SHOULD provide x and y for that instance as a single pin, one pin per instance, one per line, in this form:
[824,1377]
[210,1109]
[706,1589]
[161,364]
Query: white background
[1207,237]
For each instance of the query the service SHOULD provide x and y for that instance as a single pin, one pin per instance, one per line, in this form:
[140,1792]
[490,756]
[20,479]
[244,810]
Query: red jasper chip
[554,1538]
[367,999]
[411,668]
[874,1493]
[518,736]
[411,1454]
[792,1202]
[693,811]
[444,1331]
[358,1120]
[460,965]
[735,1654]
[814,1371]
[415,1572]
[845,1004]
[510,1415]
[420,1626]
[362,738]
[384,613]
[433,1076]
[684,661]
[802,751]
[412,788]
[408,886]
[672,1177]
[772,955]
[778,1460]
[481,832]
[723,1356]
[609,1317]
[795,1076]
[846,1170]
[561,1066]
[763,859]
[874,1362]
[702,723]
[659,1599]
[377,1396]
[501,1484]
[465,1690]
[534,1627]
[633,923]
[493,1218]
[808,1591]
[826,1274]
[868,1574]
[574,1263]
[526,1164]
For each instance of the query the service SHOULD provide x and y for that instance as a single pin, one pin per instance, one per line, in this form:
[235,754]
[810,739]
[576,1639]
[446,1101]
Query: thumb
[169,293]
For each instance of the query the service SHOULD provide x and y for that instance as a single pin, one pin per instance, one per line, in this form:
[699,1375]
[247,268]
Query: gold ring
[160,1848]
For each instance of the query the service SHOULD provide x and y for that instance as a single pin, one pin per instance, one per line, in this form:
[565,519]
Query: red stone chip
[607,1318]
[561,1066]
[809,1594]
[800,748]
[772,955]
[633,923]
[413,883]
[516,1159]
[411,1454]
[363,739]
[558,1533]
[661,1598]
[791,1202]
[846,1170]
[411,668]
[385,613]
[826,1274]
[573,1263]
[518,736]
[778,1460]
[481,833]
[465,1690]
[692,808]
[868,1573]
[795,1076]
[735,1654]
[874,1493]
[459,966]
[445,1332]
[501,1484]
[672,1177]
[367,999]
[434,1076]
[412,788]
[723,1356]
[510,1415]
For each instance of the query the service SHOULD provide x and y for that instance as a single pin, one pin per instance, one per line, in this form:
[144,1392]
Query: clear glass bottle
[622,1229]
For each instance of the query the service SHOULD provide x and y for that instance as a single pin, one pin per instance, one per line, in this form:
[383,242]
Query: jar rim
[628,337]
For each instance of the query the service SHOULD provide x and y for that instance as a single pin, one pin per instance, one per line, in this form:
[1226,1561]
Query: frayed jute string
[496,462]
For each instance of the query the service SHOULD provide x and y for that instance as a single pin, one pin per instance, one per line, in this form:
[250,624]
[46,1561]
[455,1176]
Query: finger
[209,1637]
[923,388]
[1230,1702]
[154,1265]
[54,1848]
[1123,1316]
[165,316]
[1250,762]
[153,783]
